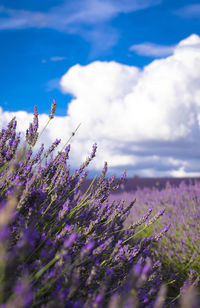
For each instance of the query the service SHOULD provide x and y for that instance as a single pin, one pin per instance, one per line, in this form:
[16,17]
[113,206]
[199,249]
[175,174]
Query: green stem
[47,207]
[42,270]
[42,131]
[70,137]
[61,150]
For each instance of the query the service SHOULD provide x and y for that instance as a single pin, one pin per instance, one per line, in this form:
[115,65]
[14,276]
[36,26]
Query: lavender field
[179,249]
[61,247]
[134,183]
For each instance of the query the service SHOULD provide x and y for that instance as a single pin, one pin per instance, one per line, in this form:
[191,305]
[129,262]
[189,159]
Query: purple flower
[53,109]
[70,240]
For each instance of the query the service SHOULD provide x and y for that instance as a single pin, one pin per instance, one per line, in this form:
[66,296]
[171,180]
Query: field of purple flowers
[62,248]
[179,249]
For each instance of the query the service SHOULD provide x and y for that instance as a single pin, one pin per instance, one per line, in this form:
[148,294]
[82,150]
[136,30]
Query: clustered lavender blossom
[59,248]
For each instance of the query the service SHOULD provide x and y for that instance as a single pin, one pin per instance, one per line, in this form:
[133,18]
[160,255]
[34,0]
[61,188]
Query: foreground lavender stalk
[59,248]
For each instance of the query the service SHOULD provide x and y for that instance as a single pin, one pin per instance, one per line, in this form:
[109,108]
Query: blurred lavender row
[132,184]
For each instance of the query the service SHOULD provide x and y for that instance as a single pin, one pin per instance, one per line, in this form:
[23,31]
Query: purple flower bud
[53,109]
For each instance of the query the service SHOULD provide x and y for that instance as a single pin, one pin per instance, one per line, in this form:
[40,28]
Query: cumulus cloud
[146,120]
[136,113]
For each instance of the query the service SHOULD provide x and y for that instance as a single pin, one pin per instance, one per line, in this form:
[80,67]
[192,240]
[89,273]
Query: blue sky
[52,49]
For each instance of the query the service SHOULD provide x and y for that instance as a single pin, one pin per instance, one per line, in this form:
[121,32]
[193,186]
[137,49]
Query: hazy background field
[131,184]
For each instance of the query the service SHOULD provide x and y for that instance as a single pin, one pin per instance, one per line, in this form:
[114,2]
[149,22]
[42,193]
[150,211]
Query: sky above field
[127,70]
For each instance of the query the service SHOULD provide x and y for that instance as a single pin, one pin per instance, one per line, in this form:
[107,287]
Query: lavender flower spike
[53,109]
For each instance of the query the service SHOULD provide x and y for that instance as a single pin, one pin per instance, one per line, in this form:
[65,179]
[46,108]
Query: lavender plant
[179,250]
[59,247]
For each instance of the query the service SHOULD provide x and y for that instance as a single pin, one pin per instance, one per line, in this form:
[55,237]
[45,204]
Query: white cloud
[180,173]
[192,10]
[71,13]
[53,84]
[88,18]
[155,50]
[111,90]
[146,120]
[126,6]
[57,58]
[150,49]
